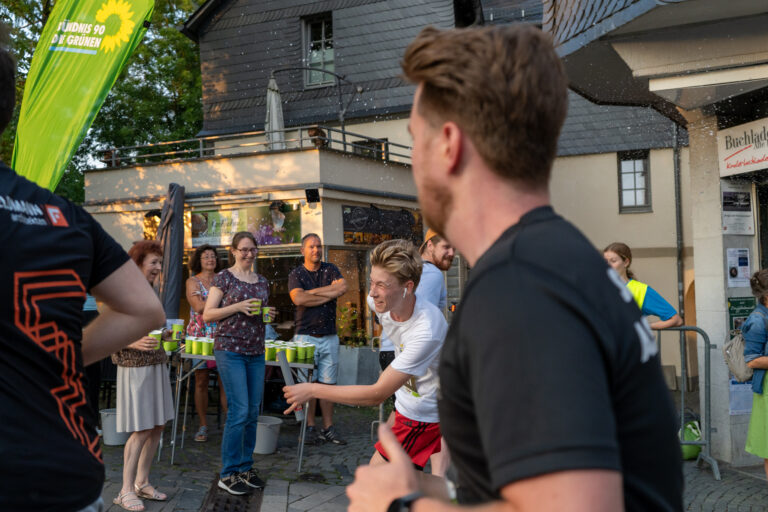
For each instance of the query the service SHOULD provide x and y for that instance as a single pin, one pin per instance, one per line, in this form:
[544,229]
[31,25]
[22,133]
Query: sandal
[133,504]
[154,496]
[202,435]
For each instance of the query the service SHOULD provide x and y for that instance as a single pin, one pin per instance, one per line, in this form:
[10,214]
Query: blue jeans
[243,380]
[326,357]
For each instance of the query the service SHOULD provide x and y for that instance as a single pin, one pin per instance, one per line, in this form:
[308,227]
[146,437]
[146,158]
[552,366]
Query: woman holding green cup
[239,349]
[144,399]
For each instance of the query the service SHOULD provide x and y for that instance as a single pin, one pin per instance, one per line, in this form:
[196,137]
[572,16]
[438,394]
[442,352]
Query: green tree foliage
[156,98]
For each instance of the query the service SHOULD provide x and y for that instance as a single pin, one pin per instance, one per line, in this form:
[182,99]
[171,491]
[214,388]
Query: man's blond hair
[399,258]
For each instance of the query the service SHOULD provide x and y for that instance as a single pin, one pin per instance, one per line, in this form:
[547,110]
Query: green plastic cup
[310,351]
[255,306]
[177,331]
[301,352]
[270,352]
[188,344]
[170,346]
[158,335]
[207,347]
[265,315]
[290,353]
[197,347]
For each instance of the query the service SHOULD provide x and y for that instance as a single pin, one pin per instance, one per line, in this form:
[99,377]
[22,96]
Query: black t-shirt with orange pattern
[53,252]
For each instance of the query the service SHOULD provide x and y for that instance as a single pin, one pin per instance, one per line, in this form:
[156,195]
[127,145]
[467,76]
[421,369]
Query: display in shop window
[274,224]
[371,225]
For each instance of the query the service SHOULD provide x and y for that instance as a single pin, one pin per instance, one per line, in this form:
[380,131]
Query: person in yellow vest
[619,257]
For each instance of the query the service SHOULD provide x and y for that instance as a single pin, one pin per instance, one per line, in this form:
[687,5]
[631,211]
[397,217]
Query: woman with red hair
[144,400]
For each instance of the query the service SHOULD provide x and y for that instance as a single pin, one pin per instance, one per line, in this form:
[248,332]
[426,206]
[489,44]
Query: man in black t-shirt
[314,287]
[53,253]
[552,396]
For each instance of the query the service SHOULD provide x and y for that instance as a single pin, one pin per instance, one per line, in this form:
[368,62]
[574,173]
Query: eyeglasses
[252,250]
[208,257]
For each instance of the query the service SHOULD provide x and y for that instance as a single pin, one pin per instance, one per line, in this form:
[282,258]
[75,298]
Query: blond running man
[417,329]
[551,396]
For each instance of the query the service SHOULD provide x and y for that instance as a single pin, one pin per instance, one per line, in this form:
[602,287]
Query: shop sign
[743,148]
[372,225]
[275,224]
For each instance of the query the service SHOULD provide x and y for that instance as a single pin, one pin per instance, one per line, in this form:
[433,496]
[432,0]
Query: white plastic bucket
[109,429]
[267,432]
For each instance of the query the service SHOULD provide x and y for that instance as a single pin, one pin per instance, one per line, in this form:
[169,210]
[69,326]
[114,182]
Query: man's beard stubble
[436,204]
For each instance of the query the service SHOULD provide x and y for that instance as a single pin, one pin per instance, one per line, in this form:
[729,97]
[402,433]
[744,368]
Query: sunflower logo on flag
[122,10]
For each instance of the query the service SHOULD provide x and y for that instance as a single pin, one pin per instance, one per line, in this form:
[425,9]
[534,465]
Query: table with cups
[198,350]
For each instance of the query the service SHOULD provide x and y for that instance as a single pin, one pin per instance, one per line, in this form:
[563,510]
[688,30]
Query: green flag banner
[82,49]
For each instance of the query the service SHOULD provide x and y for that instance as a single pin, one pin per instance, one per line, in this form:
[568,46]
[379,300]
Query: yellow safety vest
[638,291]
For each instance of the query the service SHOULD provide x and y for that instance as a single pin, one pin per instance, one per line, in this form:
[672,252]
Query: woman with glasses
[239,351]
[203,265]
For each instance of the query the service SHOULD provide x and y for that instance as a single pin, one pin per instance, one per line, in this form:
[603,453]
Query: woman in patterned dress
[203,265]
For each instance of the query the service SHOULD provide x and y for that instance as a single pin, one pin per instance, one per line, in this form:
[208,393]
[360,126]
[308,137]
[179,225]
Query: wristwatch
[404,504]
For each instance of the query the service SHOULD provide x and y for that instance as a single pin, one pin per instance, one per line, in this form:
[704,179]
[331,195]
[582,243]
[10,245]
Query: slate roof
[242,41]
[575,23]
[591,128]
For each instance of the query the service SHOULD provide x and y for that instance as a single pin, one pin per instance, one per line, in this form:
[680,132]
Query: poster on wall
[275,224]
[737,267]
[737,208]
[371,225]
[739,309]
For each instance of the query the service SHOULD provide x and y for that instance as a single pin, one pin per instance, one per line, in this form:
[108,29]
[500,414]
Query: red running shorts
[419,439]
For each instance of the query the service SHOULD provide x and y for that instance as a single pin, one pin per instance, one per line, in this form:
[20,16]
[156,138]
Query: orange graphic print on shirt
[30,290]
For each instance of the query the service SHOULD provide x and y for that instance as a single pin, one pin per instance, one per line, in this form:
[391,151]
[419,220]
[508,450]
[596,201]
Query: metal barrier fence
[706,451]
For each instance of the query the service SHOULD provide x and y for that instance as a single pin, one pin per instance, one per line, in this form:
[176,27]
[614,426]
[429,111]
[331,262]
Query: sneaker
[233,484]
[330,435]
[252,479]
[310,436]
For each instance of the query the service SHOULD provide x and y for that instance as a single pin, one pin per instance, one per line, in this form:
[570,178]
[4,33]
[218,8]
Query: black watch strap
[404,504]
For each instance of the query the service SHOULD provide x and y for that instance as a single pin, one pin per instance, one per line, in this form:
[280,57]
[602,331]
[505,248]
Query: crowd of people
[546,386]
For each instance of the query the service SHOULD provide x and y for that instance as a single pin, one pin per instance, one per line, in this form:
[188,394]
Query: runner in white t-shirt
[417,329]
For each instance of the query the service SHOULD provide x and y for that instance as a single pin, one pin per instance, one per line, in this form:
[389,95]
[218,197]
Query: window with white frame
[634,182]
[318,54]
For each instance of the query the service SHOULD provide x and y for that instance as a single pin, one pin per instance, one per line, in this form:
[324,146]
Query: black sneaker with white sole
[234,484]
[251,479]
[330,435]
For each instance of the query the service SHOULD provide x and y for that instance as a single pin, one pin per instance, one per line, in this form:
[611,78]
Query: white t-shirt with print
[417,342]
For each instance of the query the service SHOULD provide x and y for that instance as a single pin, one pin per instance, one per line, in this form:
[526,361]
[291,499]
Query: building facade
[702,65]
[341,165]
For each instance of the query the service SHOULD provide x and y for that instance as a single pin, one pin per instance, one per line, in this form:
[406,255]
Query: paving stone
[328,468]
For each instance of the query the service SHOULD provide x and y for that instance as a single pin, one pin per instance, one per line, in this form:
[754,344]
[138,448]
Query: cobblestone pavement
[328,468]
[739,490]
